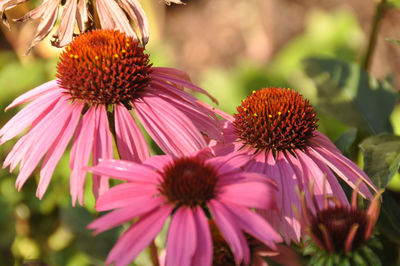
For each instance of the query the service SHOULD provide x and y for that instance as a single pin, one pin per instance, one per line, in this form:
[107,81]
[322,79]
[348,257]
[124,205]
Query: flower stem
[154,253]
[379,12]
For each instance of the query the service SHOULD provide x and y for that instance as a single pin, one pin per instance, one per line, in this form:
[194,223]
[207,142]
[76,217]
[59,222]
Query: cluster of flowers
[231,186]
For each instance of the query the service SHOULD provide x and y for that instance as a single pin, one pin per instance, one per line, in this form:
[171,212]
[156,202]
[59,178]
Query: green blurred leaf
[388,223]
[381,158]
[346,92]
[346,139]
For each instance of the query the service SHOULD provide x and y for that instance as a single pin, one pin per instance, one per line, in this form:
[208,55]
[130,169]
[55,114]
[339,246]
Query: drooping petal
[125,170]
[124,194]
[81,15]
[230,231]
[253,224]
[138,236]
[28,114]
[35,93]
[117,217]
[102,148]
[80,154]
[57,149]
[346,169]
[137,14]
[40,138]
[66,28]
[181,238]
[204,250]
[131,143]
[171,129]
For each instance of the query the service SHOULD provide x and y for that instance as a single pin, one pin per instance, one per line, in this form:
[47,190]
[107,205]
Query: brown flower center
[188,181]
[338,222]
[104,67]
[275,119]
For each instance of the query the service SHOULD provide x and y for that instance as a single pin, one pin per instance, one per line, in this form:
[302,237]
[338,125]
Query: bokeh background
[229,47]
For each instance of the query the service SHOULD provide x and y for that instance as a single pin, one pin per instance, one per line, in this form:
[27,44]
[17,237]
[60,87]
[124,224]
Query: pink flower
[111,14]
[191,190]
[101,76]
[277,129]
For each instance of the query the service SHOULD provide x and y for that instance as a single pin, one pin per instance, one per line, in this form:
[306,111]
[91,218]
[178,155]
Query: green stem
[154,253]
[379,12]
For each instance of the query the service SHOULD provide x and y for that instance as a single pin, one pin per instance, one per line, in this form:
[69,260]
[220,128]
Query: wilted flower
[340,232]
[191,190]
[107,14]
[277,128]
[101,76]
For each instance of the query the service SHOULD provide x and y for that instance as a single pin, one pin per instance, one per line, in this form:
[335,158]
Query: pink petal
[57,149]
[135,208]
[138,236]
[80,153]
[158,162]
[125,170]
[124,194]
[181,238]
[171,129]
[81,15]
[344,168]
[28,114]
[323,141]
[131,143]
[204,249]
[230,163]
[253,224]
[217,111]
[40,138]
[35,93]
[249,193]
[182,82]
[102,148]
[137,14]
[66,28]
[230,231]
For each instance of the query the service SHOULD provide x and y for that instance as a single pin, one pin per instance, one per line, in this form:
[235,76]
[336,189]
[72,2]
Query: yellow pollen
[69,48]
[245,109]
[288,111]
[253,92]
[123,50]
[127,45]
[116,56]
[96,57]
[279,113]
[76,56]
[71,55]
[255,114]
[270,116]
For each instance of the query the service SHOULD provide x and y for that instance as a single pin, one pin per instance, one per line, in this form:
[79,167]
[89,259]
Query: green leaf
[381,158]
[346,139]
[388,223]
[347,93]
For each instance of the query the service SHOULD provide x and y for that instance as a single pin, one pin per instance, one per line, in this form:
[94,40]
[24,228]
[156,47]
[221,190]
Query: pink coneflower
[107,14]
[101,76]
[277,128]
[191,190]
[339,232]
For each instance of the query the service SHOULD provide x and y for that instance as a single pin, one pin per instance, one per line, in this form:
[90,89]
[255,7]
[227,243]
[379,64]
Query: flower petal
[132,145]
[138,236]
[181,238]
[204,249]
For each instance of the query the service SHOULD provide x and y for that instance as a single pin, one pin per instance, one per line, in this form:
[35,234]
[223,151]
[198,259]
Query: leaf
[345,140]
[388,223]
[381,158]
[347,93]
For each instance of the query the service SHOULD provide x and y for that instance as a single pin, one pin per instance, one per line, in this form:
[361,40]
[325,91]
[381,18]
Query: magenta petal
[138,236]
[181,238]
[35,93]
[57,149]
[344,168]
[102,148]
[41,137]
[124,194]
[80,153]
[253,224]
[125,170]
[229,163]
[135,208]
[251,194]
[28,114]
[158,162]
[230,231]
[169,127]
[131,143]
[204,249]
